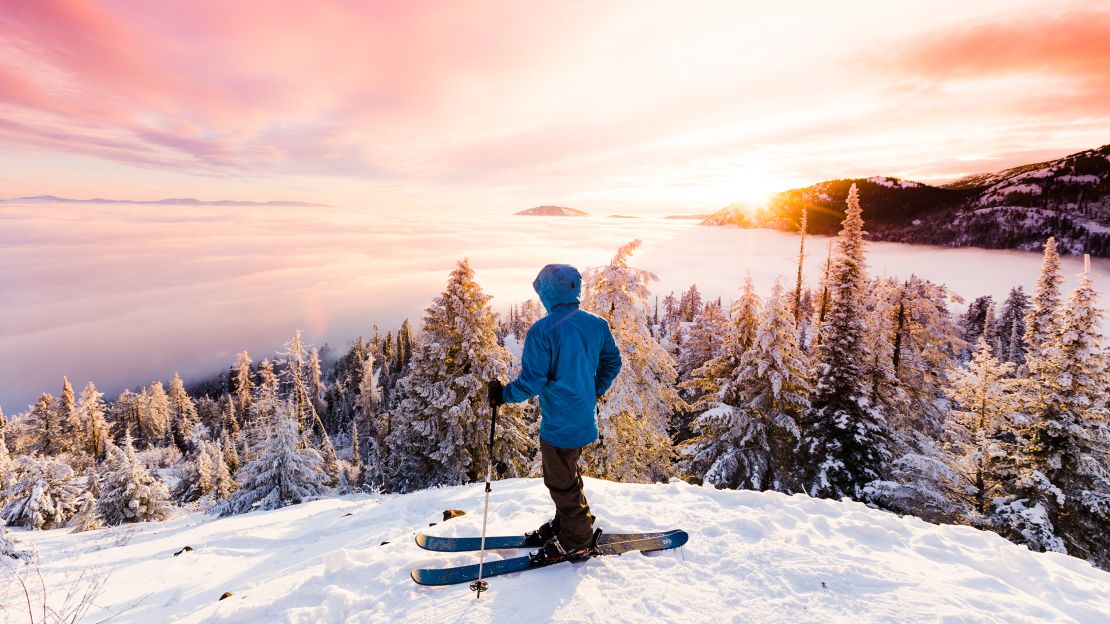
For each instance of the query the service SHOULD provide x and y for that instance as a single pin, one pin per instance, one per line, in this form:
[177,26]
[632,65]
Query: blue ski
[607,544]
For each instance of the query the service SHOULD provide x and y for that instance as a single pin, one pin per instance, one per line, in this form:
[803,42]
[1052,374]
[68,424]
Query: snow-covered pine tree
[228,444]
[199,476]
[154,416]
[128,492]
[974,321]
[43,493]
[690,306]
[68,418]
[748,437]
[367,424]
[223,485]
[45,426]
[265,404]
[441,426]
[1010,328]
[705,340]
[182,414]
[244,387]
[285,471]
[316,386]
[126,413]
[634,413]
[738,337]
[295,378]
[1066,461]
[1040,318]
[977,431]
[91,412]
[845,437]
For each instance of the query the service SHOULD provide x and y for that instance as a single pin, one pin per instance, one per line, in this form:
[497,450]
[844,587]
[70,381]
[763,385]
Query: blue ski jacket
[569,360]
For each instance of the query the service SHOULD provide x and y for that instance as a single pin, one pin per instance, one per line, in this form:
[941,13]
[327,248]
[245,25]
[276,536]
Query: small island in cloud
[553,211]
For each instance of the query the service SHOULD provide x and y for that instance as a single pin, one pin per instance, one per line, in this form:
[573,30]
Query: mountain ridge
[1016,208]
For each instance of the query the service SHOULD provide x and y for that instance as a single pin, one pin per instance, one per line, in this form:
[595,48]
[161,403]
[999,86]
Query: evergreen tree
[1040,319]
[442,423]
[91,412]
[705,341]
[244,387]
[845,437]
[286,470]
[129,493]
[126,414]
[47,429]
[316,386]
[43,493]
[690,306]
[223,485]
[976,430]
[1010,329]
[68,419]
[749,435]
[182,414]
[1066,460]
[367,422]
[154,416]
[635,412]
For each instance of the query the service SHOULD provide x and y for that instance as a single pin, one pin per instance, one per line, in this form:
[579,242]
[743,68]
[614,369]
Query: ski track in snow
[752,557]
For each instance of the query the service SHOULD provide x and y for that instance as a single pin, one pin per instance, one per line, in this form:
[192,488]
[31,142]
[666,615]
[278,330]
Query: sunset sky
[631,106]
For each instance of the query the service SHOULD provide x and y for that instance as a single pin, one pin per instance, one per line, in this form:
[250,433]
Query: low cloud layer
[123,295]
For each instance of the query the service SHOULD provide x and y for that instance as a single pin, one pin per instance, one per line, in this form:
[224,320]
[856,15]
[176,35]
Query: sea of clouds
[123,295]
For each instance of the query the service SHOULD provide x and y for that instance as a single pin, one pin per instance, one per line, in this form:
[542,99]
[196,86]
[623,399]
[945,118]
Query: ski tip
[421,540]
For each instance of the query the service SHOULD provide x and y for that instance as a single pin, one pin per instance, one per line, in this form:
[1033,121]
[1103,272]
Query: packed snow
[752,557]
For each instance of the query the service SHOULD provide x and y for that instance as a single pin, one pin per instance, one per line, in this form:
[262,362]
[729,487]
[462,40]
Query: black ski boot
[554,552]
[540,536]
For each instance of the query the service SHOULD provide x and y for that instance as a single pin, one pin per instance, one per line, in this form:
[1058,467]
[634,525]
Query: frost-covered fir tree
[154,416]
[845,437]
[46,427]
[1066,460]
[265,404]
[91,412]
[199,475]
[634,414]
[182,414]
[43,493]
[68,418]
[1040,319]
[441,426]
[748,437]
[316,385]
[129,493]
[223,484]
[690,306]
[738,337]
[1010,327]
[244,387]
[126,413]
[704,341]
[367,424]
[978,430]
[285,471]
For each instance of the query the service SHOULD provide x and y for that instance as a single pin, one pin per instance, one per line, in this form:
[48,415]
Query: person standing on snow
[570,359]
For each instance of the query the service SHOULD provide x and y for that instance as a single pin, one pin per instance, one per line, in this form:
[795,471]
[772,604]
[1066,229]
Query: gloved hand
[496,393]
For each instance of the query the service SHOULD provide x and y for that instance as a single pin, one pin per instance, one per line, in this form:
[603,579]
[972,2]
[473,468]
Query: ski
[494,542]
[607,544]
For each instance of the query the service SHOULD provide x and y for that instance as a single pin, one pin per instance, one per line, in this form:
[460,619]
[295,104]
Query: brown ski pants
[564,482]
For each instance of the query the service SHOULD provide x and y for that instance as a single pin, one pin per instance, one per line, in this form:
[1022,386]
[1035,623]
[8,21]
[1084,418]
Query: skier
[570,359]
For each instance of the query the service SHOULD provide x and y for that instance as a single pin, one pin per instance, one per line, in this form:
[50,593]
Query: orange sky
[616,106]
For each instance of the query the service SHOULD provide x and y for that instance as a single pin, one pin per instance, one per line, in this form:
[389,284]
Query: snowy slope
[752,557]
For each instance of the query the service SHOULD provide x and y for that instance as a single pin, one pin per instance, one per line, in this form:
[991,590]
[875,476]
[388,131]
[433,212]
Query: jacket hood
[558,284]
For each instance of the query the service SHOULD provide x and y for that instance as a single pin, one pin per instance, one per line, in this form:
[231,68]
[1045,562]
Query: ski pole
[480,585]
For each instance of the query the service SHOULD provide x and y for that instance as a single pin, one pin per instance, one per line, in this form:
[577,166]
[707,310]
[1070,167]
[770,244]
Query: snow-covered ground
[752,557]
